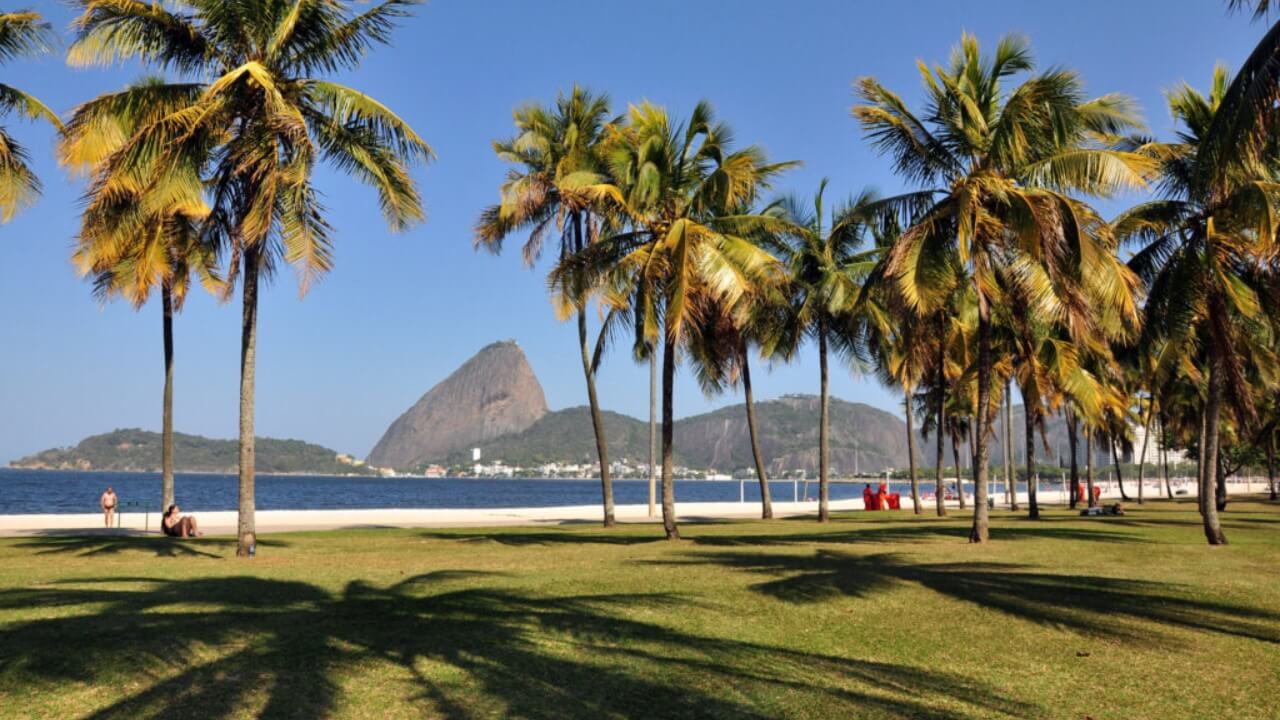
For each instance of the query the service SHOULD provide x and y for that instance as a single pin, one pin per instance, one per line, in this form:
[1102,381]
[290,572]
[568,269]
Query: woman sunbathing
[175,525]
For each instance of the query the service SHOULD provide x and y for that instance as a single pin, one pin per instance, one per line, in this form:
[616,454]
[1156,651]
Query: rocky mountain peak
[494,393]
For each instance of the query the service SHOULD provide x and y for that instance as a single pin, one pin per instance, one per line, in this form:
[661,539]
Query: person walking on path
[108,501]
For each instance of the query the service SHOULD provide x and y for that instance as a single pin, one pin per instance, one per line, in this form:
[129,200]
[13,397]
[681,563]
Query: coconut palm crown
[22,34]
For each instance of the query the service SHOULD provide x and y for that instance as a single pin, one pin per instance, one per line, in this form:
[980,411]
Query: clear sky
[399,312]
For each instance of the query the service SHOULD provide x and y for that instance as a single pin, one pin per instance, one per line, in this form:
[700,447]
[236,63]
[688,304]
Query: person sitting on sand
[175,525]
[108,502]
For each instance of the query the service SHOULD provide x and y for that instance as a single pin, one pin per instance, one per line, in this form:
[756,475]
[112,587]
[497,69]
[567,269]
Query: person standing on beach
[108,501]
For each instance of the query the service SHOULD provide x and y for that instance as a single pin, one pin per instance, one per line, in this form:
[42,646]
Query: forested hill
[139,451]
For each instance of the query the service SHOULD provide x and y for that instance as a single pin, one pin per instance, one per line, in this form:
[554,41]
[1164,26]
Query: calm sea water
[49,491]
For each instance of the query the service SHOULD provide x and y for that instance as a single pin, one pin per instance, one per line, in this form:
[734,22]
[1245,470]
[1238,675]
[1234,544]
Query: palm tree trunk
[766,503]
[1146,438]
[824,513]
[940,492]
[1220,484]
[1164,460]
[972,458]
[1115,460]
[1213,407]
[653,429]
[981,530]
[668,482]
[1073,441]
[1164,456]
[246,529]
[166,428]
[1271,465]
[1088,467]
[597,422]
[1033,504]
[1115,457]
[955,454]
[911,453]
[1010,483]
[1200,456]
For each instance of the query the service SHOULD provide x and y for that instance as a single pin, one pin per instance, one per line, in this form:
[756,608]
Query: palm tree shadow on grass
[549,536]
[926,531]
[159,545]
[837,533]
[1135,610]
[229,646]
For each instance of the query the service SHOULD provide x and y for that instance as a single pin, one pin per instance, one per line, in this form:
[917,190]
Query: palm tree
[683,250]
[942,373]
[1242,129]
[1010,485]
[1003,168]
[891,337]
[826,265]
[1073,443]
[132,240]
[720,347]
[1050,372]
[255,120]
[960,428]
[22,34]
[1201,244]
[935,399]
[557,187]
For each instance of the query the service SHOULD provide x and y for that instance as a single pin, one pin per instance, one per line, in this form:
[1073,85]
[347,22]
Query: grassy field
[871,616]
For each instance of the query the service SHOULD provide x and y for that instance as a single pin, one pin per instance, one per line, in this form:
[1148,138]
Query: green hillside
[139,451]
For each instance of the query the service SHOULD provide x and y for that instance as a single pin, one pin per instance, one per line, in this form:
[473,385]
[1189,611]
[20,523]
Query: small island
[135,450]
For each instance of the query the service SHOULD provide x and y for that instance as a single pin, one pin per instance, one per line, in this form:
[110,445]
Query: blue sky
[399,312]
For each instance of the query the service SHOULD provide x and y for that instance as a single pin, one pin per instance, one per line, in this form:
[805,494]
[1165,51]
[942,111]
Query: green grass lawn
[870,616]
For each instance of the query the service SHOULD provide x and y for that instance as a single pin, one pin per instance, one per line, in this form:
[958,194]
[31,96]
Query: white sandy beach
[273,521]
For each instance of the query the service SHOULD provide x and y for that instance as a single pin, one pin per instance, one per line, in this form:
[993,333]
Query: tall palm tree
[1010,485]
[683,250]
[720,347]
[827,265]
[1050,371]
[935,402]
[132,240]
[892,337]
[1073,443]
[557,187]
[257,118]
[942,374]
[22,34]
[1200,259]
[1005,168]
